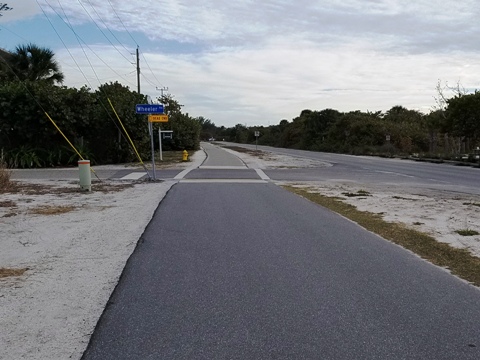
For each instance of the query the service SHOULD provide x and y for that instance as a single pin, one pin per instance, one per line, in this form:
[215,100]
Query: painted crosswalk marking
[134,176]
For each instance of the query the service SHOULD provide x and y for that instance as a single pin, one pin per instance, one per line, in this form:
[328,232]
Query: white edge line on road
[217,181]
[134,176]
[223,167]
[262,175]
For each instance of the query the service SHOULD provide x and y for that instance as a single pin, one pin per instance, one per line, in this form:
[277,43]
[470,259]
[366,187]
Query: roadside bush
[23,157]
[5,174]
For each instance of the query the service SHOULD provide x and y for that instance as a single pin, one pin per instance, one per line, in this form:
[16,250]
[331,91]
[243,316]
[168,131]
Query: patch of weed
[358,193]
[5,175]
[471,204]
[403,198]
[52,210]
[467,232]
[11,272]
[11,214]
[7,203]
[239,149]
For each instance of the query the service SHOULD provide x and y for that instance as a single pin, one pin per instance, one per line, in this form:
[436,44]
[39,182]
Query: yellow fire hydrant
[185,155]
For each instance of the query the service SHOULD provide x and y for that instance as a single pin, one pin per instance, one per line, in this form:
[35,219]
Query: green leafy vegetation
[29,90]
[357,194]
[459,261]
[449,133]
[85,116]
[467,232]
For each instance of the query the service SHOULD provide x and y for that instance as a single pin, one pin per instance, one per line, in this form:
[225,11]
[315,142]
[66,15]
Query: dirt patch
[257,153]
[5,175]
[25,188]
[51,210]
[7,203]
[105,187]
[4,273]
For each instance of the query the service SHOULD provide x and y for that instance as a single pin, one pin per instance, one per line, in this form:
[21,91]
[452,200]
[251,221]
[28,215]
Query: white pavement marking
[182,174]
[134,176]
[217,181]
[262,175]
[223,167]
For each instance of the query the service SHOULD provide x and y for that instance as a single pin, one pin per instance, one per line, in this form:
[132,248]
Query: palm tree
[33,63]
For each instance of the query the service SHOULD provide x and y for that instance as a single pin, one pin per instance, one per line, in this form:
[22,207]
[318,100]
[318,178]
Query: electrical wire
[21,37]
[121,22]
[98,27]
[104,24]
[78,39]
[158,82]
[128,32]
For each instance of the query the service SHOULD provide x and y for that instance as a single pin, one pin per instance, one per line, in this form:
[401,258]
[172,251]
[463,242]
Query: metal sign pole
[160,142]
[150,126]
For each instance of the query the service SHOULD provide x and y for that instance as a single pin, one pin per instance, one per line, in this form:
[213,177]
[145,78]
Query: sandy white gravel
[75,259]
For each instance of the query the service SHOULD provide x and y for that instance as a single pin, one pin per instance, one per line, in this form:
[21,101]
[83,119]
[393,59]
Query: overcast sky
[258,62]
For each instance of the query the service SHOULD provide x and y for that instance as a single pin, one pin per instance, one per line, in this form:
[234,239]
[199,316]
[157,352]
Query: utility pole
[162,90]
[138,71]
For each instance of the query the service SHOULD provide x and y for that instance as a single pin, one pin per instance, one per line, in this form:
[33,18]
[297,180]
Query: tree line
[31,87]
[445,132]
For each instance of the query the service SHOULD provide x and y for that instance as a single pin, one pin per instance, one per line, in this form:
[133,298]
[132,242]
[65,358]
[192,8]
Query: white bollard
[84,173]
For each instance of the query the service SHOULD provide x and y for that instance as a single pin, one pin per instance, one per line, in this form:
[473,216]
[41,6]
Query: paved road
[242,269]
[376,170]
[364,169]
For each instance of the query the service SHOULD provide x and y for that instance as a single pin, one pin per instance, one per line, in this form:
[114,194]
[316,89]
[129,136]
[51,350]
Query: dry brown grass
[459,261]
[109,187]
[5,175]
[41,189]
[4,273]
[7,203]
[258,153]
[51,210]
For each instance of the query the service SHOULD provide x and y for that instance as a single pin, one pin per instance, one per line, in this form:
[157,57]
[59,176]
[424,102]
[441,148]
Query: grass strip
[459,261]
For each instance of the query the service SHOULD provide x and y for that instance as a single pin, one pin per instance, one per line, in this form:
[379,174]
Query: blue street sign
[149,109]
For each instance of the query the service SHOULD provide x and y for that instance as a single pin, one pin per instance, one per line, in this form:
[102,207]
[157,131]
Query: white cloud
[20,9]
[258,62]
[261,85]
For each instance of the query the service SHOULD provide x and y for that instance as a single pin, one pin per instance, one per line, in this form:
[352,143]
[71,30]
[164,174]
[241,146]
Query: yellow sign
[158,118]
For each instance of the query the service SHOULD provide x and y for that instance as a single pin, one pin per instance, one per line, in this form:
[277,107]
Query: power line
[79,39]
[121,22]
[128,32]
[110,31]
[21,37]
[158,82]
[98,27]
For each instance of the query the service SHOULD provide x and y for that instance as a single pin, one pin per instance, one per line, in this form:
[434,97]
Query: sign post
[150,128]
[165,133]
[257,134]
[155,114]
